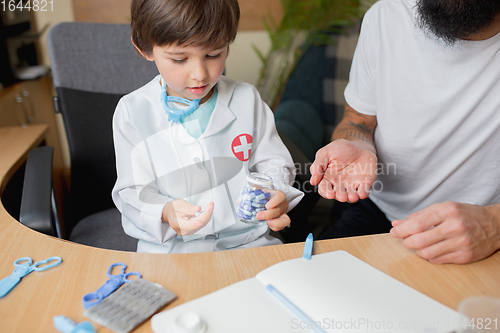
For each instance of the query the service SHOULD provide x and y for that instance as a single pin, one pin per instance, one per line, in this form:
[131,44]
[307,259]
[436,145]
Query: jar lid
[259,179]
[189,322]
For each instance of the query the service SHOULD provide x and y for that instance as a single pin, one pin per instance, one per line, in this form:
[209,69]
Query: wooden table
[40,296]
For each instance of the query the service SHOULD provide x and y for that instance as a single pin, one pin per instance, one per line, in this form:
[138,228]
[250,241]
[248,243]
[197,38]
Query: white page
[245,306]
[338,291]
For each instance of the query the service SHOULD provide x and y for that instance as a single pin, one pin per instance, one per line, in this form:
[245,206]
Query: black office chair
[93,66]
[38,210]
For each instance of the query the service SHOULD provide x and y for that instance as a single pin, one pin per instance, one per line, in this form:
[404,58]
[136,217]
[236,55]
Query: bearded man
[417,153]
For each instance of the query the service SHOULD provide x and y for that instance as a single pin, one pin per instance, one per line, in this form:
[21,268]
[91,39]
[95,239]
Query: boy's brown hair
[207,23]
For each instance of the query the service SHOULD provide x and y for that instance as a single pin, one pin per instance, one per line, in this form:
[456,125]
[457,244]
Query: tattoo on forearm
[362,127]
[348,113]
[357,135]
[356,131]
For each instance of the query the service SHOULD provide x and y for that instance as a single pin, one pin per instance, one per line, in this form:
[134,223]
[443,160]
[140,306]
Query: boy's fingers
[276,199]
[196,209]
[273,213]
[190,224]
[279,223]
[205,215]
[189,227]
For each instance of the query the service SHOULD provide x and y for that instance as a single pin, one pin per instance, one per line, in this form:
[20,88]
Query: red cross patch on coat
[242,146]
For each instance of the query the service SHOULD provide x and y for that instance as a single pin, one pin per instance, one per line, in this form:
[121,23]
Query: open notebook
[337,291]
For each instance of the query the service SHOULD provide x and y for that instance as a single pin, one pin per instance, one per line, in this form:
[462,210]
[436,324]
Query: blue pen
[308,248]
[286,302]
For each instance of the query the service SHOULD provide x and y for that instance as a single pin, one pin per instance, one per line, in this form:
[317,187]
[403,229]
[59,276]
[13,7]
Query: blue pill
[257,192]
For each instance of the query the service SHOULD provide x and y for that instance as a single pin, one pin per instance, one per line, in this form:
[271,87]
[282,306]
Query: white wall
[62,12]
[243,63]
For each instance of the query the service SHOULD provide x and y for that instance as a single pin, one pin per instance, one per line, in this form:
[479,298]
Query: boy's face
[189,71]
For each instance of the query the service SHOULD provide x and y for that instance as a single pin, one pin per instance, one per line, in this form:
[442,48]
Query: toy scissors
[114,282]
[23,269]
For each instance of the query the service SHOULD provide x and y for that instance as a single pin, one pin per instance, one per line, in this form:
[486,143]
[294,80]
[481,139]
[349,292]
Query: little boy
[188,138]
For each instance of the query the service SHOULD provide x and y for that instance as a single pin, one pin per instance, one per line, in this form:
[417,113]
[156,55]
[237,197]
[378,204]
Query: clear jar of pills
[254,195]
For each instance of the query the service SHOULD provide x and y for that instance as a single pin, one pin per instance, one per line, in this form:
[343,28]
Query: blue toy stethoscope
[175,114]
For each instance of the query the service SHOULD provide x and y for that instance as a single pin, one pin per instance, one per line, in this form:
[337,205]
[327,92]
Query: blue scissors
[114,282]
[23,269]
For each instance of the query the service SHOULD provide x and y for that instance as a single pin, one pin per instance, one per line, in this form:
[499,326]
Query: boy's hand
[181,215]
[275,213]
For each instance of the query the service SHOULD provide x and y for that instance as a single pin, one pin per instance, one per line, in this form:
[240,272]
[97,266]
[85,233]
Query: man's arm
[356,127]
[346,168]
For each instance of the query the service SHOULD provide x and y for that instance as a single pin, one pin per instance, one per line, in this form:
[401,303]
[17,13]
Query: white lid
[189,322]
[259,179]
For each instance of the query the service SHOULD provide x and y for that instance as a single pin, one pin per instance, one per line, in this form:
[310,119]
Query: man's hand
[181,215]
[451,232]
[345,170]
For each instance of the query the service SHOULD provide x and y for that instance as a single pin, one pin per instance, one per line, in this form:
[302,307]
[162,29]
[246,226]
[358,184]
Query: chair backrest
[93,66]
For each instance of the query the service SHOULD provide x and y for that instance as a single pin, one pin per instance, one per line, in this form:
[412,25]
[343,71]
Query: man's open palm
[344,170]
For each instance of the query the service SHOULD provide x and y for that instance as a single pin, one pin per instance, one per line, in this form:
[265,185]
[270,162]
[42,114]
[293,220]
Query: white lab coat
[159,161]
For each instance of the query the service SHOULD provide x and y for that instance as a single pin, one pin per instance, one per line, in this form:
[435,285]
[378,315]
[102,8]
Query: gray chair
[93,66]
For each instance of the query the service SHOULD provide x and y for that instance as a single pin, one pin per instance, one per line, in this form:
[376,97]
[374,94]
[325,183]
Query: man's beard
[452,20]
